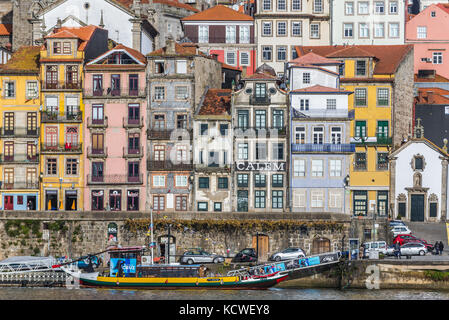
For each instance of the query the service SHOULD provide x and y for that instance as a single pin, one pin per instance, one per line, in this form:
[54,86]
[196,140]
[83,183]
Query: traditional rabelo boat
[127,270]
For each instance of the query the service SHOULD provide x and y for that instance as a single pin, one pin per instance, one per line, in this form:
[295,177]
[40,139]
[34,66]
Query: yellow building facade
[19,133]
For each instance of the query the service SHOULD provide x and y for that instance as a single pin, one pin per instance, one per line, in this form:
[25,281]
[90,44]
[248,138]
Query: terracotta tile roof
[227,66]
[432,96]
[24,60]
[171,3]
[444,6]
[218,13]
[260,76]
[184,49]
[216,102]
[321,89]
[436,78]
[82,33]
[312,58]
[5,29]
[387,58]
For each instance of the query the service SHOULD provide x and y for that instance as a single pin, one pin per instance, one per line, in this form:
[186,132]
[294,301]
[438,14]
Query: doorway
[321,245]
[261,244]
[9,202]
[31,202]
[163,248]
[417,207]
[51,200]
[71,200]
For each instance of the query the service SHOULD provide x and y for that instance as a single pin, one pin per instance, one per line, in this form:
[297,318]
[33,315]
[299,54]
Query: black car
[246,255]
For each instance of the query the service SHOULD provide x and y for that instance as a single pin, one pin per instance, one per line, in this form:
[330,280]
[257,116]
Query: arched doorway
[321,245]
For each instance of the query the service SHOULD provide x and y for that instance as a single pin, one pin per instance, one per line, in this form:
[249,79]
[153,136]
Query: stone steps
[430,231]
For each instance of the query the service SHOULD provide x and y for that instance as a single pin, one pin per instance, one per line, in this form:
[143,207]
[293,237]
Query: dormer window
[67,48]
[56,47]
[361,68]
[159,67]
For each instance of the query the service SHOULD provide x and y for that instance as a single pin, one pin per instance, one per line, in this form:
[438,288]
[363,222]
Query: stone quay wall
[75,234]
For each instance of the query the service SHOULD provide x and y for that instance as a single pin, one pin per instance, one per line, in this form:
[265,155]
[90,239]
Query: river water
[195,294]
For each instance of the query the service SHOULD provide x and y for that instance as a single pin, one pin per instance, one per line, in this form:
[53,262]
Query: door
[97,114]
[115,84]
[31,123]
[9,151]
[31,178]
[52,77]
[321,245]
[417,207]
[261,243]
[9,203]
[133,113]
[8,123]
[133,84]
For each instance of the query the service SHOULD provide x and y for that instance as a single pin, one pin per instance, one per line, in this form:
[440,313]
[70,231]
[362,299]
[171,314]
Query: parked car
[288,254]
[400,230]
[245,255]
[394,223]
[200,256]
[390,250]
[413,249]
[407,238]
[380,246]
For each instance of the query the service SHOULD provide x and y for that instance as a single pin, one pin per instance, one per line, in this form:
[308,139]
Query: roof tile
[219,13]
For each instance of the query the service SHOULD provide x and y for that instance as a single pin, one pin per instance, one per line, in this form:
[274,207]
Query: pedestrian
[397,250]
[436,247]
[441,247]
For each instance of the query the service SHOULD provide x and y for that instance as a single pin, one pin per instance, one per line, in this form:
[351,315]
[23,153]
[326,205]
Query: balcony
[378,140]
[114,179]
[61,148]
[322,113]
[272,132]
[168,166]
[19,185]
[262,100]
[97,153]
[213,167]
[49,117]
[165,134]
[132,122]
[19,159]
[322,148]
[61,85]
[90,93]
[97,123]
[133,152]
[19,132]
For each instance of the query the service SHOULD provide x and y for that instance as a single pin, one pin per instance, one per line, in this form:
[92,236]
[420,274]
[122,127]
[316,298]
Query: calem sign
[260,166]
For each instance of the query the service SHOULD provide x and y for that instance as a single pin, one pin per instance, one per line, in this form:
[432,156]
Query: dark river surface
[260,295]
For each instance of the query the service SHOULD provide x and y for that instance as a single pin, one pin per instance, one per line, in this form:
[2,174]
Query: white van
[379,246]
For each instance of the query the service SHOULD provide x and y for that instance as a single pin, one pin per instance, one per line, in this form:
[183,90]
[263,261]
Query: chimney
[430,97]
[170,45]
[244,72]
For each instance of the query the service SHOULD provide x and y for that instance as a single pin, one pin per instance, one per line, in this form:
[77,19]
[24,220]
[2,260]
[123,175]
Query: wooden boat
[132,274]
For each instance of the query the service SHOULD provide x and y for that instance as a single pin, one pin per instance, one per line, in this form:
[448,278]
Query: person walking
[397,250]
[436,248]
[441,247]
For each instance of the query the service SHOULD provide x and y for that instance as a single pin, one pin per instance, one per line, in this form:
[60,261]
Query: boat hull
[183,283]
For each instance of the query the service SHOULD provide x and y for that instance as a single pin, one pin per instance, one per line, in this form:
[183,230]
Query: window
[261,151]
[181,66]
[278,119]
[383,95]
[260,180]
[296,5]
[181,181]
[382,161]
[31,89]
[318,6]
[360,203]
[282,54]
[230,58]
[97,171]
[203,34]
[97,80]
[360,129]
[222,183]
[336,135]
[159,153]
[277,199]
[267,53]
[306,77]
[304,104]
[437,57]
[181,93]
[318,135]
[349,8]
[317,199]
[282,5]
[261,90]
[224,129]
[244,58]
[244,34]
[363,30]
[335,168]
[363,8]
[277,180]
[266,5]
[230,34]
[331,104]
[300,135]
[282,28]
[158,203]
[335,199]
[9,87]
[159,67]
[314,31]
[393,7]
[181,203]
[243,151]
[242,180]
[115,84]
[433,209]
[159,122]
[278,151]
[393,30]
[419,163]
[159,181]
[71,166]
[259,199]
[266,28]
[51,166]
[421,32]
[360,97]
[56,47]
[379,7]
[361,68]
[382,129]
[203,182]
[360,161]
[243,119]
[299,198]
[296,29]
[367,234]
[299,168]
[317,168]
[242,200]
[348,30]
[433,14]
[159,93]
[379,30]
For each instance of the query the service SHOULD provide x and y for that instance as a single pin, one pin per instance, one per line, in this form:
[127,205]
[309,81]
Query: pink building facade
[427,31]
[115,118]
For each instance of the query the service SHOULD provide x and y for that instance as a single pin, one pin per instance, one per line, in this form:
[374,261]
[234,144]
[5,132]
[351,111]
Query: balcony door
[8,148]
[8,122]
[51,77]
[97,114]
[97,143]
[8,178]
[31,123]
[97,84]
[31,177]
[51,137]
[133,113]
[115,84]
[133,171]
[72,77]
[31,151]
[97,171]
[133,84]
[133,143]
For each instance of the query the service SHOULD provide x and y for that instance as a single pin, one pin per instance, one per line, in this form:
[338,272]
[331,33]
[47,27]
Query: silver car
[288,254]
[413,249]
[200,256]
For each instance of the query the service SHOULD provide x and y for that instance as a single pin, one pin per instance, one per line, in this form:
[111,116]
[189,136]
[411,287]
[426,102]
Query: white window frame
[159,181]
[299,167]
[231,34]
[244,34]
[203,34]
[317,168]
[316,199]
[335,168]
[242,62]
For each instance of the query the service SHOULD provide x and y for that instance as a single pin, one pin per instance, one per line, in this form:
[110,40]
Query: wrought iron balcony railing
[121,92]
[19,132]
[19,185]
[325,147]
[97,123]
[20,158]
[49,116]
[61,148]
[168,166]
[114,179]
[133,122]
[61,85]
[97,152]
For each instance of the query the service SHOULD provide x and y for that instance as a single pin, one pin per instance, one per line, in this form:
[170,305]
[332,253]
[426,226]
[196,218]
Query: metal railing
[61,85]
[378,139]
[168,166]
[325,147]
[133,122]
[19,132]
[262,100]
[121,92]
[19,185]
[19,158]
[166,134]
[133,152]
[60,147]
[260,131]
[97,153]
[49,116]
[114,179]
[97,123]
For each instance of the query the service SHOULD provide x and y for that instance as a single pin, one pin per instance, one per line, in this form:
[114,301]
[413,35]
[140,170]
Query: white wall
[317,77]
